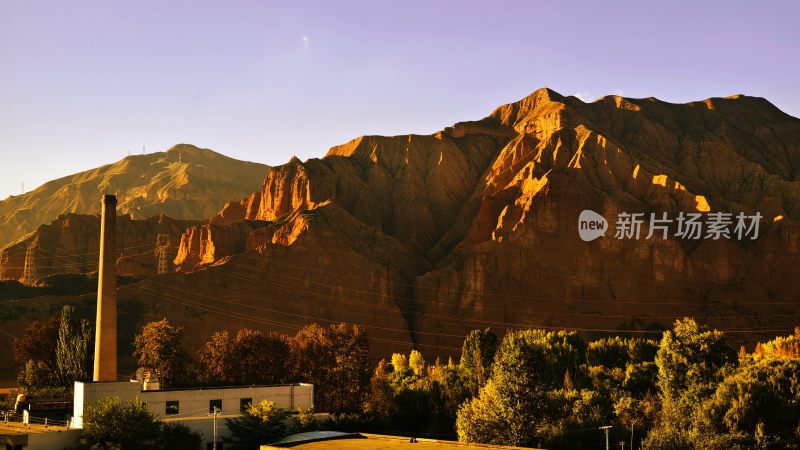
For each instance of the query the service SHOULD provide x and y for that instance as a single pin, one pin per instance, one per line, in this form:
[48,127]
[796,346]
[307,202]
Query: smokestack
[105,341]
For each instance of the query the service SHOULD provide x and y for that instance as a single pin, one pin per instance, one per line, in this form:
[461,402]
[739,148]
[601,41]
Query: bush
[110,423]
[260,423]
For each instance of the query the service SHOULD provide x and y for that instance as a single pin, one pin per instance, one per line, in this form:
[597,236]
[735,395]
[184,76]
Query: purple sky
[84,82]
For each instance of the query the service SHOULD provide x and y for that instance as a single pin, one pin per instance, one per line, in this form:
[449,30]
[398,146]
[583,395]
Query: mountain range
[184,182]
[421,238]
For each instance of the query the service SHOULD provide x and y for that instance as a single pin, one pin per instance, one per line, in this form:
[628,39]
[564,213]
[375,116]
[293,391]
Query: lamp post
[216,413]
[632,424]
[606,428]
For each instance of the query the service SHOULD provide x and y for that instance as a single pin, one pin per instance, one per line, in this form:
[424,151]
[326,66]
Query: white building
[194,407]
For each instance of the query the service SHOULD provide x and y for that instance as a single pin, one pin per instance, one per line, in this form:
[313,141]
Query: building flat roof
[366,441]
[213,388]
[12,428]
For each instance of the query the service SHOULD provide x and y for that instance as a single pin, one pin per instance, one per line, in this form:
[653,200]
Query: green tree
[177,436]
[490,418]
[508,408]
[610,352]
[416,362]
[74,349]
[304,421]
[760,398]
[399,362]
[110,423]
[691,360]
[159,347]
[477,354]
[260,423]
[36,375]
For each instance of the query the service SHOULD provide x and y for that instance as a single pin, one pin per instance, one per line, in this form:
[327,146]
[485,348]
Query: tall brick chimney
[105,341]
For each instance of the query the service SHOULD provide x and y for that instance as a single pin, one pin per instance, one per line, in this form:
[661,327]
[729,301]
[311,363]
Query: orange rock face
[422,238]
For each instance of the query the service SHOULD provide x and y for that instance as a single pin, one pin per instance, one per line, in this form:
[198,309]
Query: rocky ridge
[421,238]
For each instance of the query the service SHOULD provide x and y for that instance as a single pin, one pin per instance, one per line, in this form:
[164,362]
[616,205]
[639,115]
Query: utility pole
[216,413]
[606,429]
[162,247]
[633,422]
[622,445]
[23,188]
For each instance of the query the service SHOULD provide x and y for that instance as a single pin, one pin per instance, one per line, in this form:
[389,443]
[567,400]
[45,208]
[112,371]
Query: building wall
[205,426]
[195,402]
[193,406]
[53,439]
[92,392]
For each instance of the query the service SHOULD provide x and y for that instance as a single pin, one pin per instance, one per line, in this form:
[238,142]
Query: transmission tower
[29,272]
[161,250]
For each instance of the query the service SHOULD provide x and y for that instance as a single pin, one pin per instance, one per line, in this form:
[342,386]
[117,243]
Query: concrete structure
[105,342]
[19,436]
[194,407]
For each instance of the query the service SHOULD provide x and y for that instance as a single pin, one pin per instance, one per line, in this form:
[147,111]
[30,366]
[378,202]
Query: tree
[261,359]
[111,423]
[159,348]
[177,436]
[38,342]
[74,348]
[35,354]
[380,402]
[35,375]
[416,362]
[490,419]
[335,359]
[609,352]
[508,408]
[217,359]
[250,358]
[477,354]
[399,362]
[260,423]
[763,394]
[691,360]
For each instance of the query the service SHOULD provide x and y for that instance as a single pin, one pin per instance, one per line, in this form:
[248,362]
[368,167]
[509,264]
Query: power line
[451,318]
[272,274]
[413,312]
[437,289]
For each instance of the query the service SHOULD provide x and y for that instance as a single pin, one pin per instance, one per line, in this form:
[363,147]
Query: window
[173,406]
[214,404]
[244,403]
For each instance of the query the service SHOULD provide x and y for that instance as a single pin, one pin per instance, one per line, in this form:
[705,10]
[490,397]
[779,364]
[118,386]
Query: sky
[84,82]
